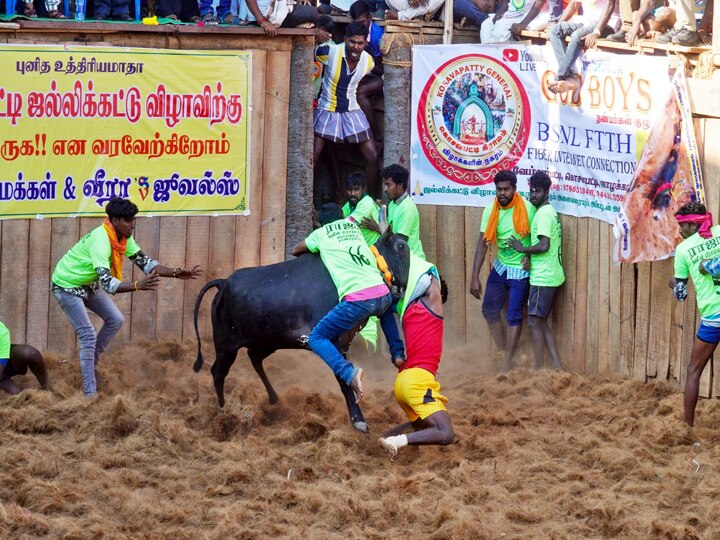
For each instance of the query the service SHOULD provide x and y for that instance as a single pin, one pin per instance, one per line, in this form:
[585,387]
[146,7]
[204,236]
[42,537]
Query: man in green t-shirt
[546,271]
[15,360]
[403,214]
[508,217]
[692,258]
[361,289]
[361,206]
[92,269]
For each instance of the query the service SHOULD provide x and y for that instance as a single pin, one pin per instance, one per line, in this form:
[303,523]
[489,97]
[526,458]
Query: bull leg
[356,416]
[224,359]
[256,357]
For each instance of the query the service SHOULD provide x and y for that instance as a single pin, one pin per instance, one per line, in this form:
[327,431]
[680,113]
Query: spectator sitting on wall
[15,360]
[598,19]
[407,10]
[259,12]
[325,26]
[372,85]
[667,24]
[472,11]
[339,117]
[119,10]
[511,18]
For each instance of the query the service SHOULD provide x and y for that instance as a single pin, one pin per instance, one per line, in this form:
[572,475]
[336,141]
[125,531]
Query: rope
[386,45]
[705,66]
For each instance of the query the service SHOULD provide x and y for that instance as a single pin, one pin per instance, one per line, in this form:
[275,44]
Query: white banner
[478,109]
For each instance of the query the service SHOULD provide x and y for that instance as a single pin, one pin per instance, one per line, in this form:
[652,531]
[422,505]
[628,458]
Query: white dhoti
[407,13]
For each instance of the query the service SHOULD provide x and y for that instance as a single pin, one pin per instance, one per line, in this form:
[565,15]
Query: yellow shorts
[418,393]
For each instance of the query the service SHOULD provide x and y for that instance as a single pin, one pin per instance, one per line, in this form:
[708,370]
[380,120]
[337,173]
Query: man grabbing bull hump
[360,287]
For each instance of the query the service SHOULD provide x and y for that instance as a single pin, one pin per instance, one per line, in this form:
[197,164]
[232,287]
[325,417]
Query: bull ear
[382,221]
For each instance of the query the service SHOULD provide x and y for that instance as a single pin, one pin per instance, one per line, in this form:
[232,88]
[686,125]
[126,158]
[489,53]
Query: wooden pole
[299,189]
[448,23]
[397,59]
[716,31]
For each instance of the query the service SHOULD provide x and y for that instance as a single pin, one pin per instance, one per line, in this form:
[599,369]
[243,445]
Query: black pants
[183,9]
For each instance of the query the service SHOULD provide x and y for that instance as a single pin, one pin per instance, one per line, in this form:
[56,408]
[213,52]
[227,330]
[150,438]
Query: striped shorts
[350,126]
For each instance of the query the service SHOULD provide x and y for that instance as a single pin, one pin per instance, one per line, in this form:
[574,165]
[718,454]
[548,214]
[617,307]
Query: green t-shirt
[688,255]
[366,207]
[546,268]
[78,266]
[405,219]
[505,230]
[346,256]
[4,344]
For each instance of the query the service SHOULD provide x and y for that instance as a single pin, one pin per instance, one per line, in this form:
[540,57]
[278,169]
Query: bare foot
[566,85]
[391,15]
[8,386]
[306,25]
[429,16]
[462,22]
[389,447]
[357,386]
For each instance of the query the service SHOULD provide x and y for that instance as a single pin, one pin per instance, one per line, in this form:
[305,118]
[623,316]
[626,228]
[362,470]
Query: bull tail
[215,283]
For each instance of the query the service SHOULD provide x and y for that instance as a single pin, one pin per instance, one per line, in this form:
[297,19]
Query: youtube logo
[510,55]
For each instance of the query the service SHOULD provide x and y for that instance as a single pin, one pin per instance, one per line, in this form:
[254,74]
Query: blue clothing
[708,334]
[112,7]
[343,317]
[465,8]
[392,334]
[376,34]
[206,6]
[498,289]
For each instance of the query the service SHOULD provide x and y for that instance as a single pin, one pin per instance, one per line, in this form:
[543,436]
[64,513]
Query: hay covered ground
[537,455]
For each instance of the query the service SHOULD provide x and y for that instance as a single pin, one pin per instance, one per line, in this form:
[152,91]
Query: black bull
[275,307]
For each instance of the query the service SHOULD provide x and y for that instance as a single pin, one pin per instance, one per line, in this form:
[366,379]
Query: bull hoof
[361,426]
[274,400]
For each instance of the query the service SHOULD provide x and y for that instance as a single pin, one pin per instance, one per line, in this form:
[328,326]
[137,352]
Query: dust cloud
[537,455]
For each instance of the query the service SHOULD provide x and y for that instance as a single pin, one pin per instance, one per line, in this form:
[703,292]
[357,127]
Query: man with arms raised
[546,271]
[361,289]
[508,217]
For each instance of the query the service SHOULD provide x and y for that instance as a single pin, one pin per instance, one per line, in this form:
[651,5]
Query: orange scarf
[118,249]
[521,222]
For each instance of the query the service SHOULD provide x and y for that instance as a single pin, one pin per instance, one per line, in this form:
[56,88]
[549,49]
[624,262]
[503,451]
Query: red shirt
[423,337]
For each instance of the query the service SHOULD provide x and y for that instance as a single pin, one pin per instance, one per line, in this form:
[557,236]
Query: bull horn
[382,220]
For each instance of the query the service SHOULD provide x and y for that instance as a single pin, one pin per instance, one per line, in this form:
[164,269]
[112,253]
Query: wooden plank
[197,247]
[660,320]
[628,279]
[604,254]
[63,235]
[704,97]
[594,319]
[171,252]
[689,328]
[577,362]
[614,298]
[476,331]
[14,260]
[272,230]
[247,228]
[677,315]
[428,231]
[642,321]
[38,279]
[563,314]
[451,264]
[144,303]
[448,23]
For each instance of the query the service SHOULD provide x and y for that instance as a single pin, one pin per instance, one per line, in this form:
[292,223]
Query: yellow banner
[167,129]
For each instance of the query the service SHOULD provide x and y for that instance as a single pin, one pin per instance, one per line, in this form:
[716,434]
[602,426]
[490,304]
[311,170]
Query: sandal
[29,10]
[209,19]
[55,14]
[230,19]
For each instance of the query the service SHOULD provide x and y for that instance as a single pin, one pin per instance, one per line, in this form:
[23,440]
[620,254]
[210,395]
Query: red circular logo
[473,119]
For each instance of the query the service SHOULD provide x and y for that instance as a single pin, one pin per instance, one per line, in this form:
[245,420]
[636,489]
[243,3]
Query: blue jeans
[206,6]
[499,289]
[465,8]
[392,334]
[566,56]
[343,317]
[91,345]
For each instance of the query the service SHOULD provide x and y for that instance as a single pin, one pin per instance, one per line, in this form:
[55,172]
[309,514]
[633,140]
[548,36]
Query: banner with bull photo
[667,177]
[478,109]
[78,125]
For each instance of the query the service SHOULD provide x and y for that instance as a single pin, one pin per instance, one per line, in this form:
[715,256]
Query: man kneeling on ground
[416,390]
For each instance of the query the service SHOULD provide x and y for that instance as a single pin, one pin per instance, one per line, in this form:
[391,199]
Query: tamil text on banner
[483,108]
[79,125]
[667,177]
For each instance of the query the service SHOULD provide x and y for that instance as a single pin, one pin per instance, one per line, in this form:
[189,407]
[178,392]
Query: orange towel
[521,222]
[118,249]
